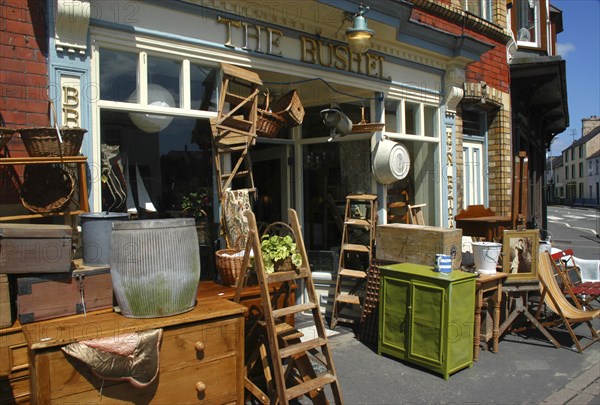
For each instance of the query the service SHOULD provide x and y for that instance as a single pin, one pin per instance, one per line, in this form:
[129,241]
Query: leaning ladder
[287,362]
[355,255]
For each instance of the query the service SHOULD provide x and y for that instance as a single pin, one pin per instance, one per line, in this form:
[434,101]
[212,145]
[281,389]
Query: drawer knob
[199,346]
[200,387]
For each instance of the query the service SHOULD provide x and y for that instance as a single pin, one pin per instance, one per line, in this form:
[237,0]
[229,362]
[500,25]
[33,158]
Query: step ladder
[356,253]
[274,347]
[234,131]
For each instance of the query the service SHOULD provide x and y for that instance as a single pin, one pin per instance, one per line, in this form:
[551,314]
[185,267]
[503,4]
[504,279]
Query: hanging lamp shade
[152,123]
[359,35]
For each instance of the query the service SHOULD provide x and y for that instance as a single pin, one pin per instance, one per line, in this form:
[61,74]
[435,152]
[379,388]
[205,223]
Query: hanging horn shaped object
[337,122]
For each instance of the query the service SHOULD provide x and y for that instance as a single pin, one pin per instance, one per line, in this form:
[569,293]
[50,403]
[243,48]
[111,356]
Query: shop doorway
[473,174]
[273,179]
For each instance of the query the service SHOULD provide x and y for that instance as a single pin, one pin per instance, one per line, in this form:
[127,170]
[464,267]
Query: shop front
[148,75]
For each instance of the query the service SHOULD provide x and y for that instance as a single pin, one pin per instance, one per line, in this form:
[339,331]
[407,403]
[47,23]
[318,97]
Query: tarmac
[528,369]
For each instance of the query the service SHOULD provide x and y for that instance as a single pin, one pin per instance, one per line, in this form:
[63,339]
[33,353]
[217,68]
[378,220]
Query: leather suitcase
[47,296]
[31,248]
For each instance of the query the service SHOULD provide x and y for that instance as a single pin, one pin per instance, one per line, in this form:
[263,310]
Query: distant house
[594,178]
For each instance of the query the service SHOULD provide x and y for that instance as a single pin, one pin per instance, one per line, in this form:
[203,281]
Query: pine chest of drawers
[201,358]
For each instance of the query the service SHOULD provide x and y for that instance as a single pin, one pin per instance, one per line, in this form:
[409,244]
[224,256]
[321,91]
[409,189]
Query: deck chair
[556,301]
[580,278]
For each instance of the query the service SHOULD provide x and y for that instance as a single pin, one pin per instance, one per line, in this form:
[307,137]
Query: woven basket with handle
[228,265]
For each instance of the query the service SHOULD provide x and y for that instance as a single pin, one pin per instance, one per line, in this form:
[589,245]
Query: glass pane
[431,124]
[203,83]
[165,74]
[411,114]
[525,11]
[118,75]
[471,123]
[393,116]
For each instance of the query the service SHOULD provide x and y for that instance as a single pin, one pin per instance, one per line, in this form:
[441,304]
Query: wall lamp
[359,35]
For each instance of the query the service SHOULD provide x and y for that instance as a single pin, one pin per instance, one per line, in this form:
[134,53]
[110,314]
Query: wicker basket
[43,141]
[364,126]
[290,108]
[46,188]
[268,124]
[229,267]
[5,135]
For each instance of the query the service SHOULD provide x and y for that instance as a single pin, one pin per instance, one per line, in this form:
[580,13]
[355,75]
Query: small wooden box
[418,244]
[30,248]
[48,296]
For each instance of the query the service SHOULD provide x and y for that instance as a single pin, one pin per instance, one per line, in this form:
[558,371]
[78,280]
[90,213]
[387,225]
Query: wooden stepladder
[274,347]
[234,131]
[356,253]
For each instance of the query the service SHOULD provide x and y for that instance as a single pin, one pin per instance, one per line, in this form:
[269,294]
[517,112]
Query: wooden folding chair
[556,301]
[582,290]
[415,213]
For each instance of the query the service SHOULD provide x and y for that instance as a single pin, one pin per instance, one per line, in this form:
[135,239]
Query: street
[575,228]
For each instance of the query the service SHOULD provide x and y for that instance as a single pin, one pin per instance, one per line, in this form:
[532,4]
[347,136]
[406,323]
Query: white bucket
[485,255]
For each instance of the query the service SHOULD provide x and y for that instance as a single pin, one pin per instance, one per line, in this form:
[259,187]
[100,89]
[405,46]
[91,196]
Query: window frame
[537,23]
[485,8]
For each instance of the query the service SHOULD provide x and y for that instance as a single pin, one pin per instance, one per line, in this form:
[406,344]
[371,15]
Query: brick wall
[24,68]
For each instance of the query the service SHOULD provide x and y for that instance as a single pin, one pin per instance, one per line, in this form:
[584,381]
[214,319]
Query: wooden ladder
[234,131]
[287,363]
[355,255]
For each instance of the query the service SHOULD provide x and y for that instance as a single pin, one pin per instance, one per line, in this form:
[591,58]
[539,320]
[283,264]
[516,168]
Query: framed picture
[520,251]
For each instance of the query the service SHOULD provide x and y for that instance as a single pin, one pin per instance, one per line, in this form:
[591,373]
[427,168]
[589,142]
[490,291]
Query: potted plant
[197,205]
[279,253]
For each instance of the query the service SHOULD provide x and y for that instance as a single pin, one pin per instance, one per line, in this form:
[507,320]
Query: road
[575,228]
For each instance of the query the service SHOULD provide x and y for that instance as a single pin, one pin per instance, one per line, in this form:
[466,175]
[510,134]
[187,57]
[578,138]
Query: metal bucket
[95,235]
[155,266]
[391,162]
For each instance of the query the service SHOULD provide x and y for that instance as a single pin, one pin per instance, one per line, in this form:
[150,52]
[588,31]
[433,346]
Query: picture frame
[520,251]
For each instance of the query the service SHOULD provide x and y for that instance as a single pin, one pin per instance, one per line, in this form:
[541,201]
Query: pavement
[527,369]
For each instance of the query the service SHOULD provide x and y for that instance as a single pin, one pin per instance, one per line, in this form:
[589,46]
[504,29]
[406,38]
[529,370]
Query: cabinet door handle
[199,346]
[200,387]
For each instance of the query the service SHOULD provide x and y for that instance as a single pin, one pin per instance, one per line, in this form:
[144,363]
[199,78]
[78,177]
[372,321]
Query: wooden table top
[486,278]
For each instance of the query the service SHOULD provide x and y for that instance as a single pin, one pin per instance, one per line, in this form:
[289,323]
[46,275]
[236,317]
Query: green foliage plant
[276,248]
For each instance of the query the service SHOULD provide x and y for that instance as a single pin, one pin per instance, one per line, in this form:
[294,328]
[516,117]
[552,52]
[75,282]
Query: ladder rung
[356,248]
[239,173]
[293,309]
[231,148]
[352,273]
[345,320]
[348,299]
[309,386]
[284,330]
[236,122]
[236,99]
[282,276]
[362,197]
[357,221]
[301,347]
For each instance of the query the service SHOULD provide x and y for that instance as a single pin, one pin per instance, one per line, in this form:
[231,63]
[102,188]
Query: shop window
[393,116]
[526,15]
[166,74]
[202,88]
[412,121]
[431,122]
[118,75]
[481,8]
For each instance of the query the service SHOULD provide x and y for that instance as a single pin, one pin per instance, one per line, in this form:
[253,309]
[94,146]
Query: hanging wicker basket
[43,141]
[229,263]
[46,188]
[268,124]
[364,126]
[289,107]
[5,135]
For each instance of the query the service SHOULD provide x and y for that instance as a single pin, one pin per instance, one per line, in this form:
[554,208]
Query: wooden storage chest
[418,244]
[48,296]
[201,357]
[29,248]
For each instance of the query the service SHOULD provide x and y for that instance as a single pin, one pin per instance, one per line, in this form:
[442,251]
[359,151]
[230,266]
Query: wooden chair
[415,213]
[556,301]
[579,278]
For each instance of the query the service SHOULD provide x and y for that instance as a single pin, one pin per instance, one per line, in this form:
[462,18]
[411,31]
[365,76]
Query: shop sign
[268,40]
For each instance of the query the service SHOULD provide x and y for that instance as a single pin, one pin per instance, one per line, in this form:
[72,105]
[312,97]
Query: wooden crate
[30,248]
[418,244]
[6,316]
[47,296]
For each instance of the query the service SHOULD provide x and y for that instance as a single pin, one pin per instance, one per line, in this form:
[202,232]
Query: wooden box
[6,316]
[29,248]
[48,296]
[418,244]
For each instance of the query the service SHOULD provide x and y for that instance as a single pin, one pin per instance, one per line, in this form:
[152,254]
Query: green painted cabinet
[426,317]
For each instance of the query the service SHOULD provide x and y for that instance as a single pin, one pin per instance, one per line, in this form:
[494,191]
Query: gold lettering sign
[267,40]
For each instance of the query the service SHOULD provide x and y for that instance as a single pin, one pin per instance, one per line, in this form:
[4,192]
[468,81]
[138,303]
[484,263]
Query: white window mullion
[184,85]
[143,79]
[420,121]
[401,123]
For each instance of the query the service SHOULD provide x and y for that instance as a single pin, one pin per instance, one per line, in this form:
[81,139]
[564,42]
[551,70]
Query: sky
[579,46]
